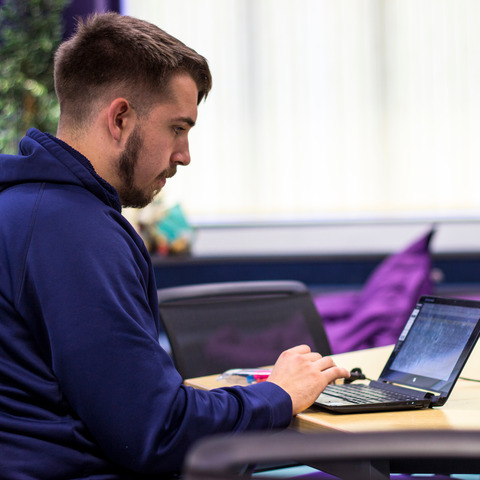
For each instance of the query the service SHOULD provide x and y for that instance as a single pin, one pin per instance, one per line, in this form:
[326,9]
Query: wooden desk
[462,410]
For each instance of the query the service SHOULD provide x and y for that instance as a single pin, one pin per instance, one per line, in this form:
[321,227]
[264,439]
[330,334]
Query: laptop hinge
[427,395]
[437,400]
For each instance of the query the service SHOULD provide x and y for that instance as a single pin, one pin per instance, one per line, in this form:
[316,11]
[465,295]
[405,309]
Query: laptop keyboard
[361,394]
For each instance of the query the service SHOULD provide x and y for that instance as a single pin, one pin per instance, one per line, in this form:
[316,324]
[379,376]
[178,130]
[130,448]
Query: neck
[91,146]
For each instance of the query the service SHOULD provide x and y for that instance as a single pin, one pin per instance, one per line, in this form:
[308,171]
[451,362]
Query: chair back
[218,326]
[349,456]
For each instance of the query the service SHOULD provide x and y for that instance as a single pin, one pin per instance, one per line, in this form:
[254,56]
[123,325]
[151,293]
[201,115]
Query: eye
[178,130]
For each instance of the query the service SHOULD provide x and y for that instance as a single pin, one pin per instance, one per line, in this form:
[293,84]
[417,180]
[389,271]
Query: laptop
[425,363]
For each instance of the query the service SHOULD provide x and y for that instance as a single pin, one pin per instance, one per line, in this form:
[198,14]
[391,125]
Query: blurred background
[331,108]
[334,128]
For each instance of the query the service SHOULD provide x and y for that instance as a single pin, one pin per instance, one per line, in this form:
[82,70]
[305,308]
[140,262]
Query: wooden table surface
[462,410]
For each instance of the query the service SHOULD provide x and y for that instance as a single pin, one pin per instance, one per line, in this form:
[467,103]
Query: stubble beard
[130,195]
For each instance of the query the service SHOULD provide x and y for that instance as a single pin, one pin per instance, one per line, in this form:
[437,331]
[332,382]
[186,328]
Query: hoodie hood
[44,158]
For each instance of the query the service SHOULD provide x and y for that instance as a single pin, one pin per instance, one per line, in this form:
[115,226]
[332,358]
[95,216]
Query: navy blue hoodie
[85,389]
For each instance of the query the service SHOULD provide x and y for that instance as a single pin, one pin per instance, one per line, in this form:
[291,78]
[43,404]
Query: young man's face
[158,145]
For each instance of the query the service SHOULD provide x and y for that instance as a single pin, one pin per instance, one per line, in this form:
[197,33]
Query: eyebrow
[187,120]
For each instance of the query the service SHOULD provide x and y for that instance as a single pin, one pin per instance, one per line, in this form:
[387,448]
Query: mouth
[160,183]
[162,179]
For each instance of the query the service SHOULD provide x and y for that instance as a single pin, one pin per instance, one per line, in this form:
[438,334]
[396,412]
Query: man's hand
[304,374]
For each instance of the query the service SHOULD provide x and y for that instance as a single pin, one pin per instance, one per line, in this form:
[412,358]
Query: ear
[121,119]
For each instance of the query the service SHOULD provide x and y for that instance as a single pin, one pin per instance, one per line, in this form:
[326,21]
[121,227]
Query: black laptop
[424,365]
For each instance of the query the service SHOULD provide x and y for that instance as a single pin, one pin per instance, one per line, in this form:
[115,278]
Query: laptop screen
[435,344]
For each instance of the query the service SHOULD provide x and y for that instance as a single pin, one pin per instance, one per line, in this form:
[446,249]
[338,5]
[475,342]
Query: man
[85,389]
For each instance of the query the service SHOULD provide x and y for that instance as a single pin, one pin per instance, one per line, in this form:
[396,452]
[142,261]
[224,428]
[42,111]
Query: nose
[182,155]
[181,158]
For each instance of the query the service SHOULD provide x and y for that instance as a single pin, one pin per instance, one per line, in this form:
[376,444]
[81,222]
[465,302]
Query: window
[330,108]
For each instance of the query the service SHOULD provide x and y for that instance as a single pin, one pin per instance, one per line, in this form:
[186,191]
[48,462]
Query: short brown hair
[113,54]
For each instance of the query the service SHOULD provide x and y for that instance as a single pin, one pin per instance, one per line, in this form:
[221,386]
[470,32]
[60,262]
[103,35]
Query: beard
[131,195]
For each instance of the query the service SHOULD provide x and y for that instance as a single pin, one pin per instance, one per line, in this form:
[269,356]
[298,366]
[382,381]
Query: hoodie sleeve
[88,281]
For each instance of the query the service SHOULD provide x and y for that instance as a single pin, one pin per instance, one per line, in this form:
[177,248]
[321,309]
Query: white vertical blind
[330,108]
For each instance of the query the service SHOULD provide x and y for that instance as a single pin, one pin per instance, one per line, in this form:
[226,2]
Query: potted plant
[30,31]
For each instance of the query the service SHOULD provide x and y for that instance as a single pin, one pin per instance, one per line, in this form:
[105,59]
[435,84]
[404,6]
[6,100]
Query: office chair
[348,456]
[218,326]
